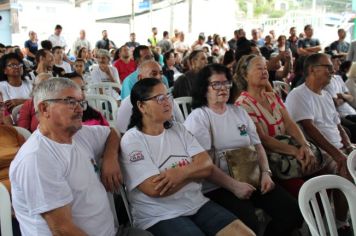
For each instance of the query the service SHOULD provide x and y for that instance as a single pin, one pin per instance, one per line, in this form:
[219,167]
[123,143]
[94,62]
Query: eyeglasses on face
[71,102]
[217,85]
[329,67]
[160,98]
[14,66]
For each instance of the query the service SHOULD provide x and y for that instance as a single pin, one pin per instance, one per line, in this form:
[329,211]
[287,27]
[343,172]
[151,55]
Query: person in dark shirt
[31,46]
[105,43]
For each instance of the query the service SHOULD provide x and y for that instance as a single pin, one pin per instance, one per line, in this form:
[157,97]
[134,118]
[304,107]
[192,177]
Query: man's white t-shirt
[336,86]
[304,104]
[125,111]
[10,92]
[144,156]
[57,41]
[46,175]
[232,129]
[65,66]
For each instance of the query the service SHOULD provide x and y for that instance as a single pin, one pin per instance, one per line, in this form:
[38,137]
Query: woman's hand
[243,190]
[105,68]
[267,183]
[306,158]
[170,181]
[10,104]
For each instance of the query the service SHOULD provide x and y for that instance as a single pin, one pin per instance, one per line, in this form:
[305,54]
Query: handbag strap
[210,129]
[212,148]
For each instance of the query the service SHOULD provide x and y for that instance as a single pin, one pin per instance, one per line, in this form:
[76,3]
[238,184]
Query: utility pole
[190,15]
[132,20]
[171,5]
[354,10]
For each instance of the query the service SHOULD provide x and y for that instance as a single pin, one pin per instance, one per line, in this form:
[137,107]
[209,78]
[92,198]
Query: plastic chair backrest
[104,88]
[185,104]
[5,212]
[15,113]
[351,164]
[309,204]
[106,105]
[24,132]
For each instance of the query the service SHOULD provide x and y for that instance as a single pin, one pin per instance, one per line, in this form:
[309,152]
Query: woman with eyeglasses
[14,87]
[163,164]
[218,124]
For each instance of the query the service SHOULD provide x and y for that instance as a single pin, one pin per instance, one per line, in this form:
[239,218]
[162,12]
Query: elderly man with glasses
[55,186]
[313,108]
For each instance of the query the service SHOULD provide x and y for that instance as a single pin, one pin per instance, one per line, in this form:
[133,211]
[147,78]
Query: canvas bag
[242,162]
[287,167]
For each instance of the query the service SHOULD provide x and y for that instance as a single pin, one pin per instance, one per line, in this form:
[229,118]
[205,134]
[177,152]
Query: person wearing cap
[56,38]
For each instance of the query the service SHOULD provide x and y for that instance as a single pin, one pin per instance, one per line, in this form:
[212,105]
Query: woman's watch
[267,172]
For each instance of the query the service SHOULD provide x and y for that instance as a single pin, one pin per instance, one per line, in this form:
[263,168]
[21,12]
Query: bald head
[149,69]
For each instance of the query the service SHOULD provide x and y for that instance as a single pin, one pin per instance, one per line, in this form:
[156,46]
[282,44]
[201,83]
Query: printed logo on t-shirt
[175,161]
[243,129]
[136,156]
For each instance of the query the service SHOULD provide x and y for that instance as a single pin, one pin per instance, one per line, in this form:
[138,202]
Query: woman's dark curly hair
[3,63]
[139,93]
[202,82]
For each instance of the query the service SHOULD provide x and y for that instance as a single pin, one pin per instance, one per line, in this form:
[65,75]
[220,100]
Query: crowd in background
[232,82]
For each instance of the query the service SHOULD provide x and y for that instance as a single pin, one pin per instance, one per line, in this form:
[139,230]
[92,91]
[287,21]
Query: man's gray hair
[50,89]
[146,64]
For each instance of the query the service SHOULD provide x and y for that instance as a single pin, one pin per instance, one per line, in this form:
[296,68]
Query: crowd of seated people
[175,184]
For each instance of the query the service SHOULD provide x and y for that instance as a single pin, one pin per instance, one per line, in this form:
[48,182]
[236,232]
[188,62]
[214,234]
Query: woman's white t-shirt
[10,92]
[232,129]
[144,156]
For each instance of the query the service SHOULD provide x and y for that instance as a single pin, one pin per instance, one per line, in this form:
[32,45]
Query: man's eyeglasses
[217,85]
[71,102]
[160,98]
[14,66]
[329,67]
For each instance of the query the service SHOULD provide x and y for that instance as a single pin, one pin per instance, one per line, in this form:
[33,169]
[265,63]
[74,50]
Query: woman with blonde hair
[351,83]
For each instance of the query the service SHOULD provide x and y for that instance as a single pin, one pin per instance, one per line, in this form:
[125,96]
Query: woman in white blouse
[14,88]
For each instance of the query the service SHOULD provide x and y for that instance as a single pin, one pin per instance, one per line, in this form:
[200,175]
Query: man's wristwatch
[267,172]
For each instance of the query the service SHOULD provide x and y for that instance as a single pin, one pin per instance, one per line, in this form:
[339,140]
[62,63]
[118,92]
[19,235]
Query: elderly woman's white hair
[103,52]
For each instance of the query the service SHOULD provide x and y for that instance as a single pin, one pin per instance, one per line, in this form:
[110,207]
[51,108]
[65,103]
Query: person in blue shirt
[141,53]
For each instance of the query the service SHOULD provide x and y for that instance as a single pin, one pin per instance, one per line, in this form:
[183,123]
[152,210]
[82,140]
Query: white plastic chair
[183,105]
[24,132]
[280,86]
[15,113]
[309,206]
[5,212]
[351,164]
[106,105]
[104,88]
